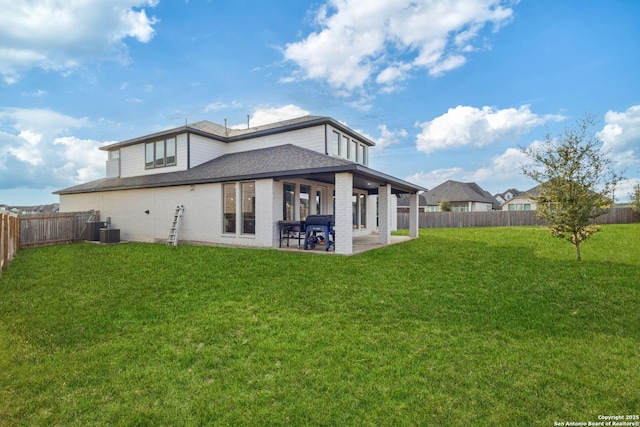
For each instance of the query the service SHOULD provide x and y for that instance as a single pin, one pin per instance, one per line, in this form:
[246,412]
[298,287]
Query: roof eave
[398,184]
[266,132]
[163,134]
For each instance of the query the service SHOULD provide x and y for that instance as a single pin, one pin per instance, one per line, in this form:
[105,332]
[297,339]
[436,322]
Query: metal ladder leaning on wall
[175,227]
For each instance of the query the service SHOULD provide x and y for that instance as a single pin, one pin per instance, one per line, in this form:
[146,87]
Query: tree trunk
[576,242]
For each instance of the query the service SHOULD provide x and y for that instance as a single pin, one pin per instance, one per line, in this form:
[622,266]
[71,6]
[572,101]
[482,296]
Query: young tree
[576,181]
[445,206]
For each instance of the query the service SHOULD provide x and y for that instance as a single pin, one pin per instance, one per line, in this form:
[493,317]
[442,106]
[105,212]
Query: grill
[315,224]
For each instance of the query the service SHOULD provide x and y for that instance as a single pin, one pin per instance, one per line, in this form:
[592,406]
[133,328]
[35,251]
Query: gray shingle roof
[403,200]
[220,130]
[514,192]
[279,161]
[454,191]
[534,191]
[228,134]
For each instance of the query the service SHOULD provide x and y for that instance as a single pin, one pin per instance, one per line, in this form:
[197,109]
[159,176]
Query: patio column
[414,214]
[393,210]
[384,214]
[277,196]
[343,213]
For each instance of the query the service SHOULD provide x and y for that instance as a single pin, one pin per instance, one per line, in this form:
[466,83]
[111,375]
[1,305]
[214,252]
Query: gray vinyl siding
[205,149]
[310,138]
[132,159]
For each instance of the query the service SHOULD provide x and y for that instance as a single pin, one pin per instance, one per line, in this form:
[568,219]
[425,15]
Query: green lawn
[462,327]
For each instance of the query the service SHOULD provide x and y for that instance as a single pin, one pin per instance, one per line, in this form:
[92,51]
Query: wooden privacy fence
[499,219]
[54,229]
[9,238]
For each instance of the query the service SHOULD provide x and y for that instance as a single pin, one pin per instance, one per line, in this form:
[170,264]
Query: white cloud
[28,151]
[449,63]
[500,174]
[264,115]
[38,152]
[36,94]
[388,137]
[393,73]
[215,106]
[84,162]
[40,120]
[360,39]
[219,105]
[625,190]
[621,136]
[60,35]
[477,127]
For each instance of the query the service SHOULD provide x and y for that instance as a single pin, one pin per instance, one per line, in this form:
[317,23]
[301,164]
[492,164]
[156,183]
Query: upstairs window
[170,152]
[340,145]
[334,145]
[360,154]
[344,147]
[351,154]
[160,153]
[149,150]
[160,160]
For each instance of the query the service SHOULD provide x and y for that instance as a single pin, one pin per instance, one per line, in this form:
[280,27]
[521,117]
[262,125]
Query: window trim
[359,210]
[334,148]
[304,203]
[293,201]
[247,215]
[232,205]
[162,162]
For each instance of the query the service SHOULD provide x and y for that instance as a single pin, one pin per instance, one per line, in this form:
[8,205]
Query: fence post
[2,237]
[16,236]
[5,241]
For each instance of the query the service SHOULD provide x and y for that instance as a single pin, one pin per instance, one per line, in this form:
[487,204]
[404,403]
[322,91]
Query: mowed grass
[482,327]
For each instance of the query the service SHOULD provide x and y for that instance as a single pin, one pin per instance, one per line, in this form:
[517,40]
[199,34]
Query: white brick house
[236,185]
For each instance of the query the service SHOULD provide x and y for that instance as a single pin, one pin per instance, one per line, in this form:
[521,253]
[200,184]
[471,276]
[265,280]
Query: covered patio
[360,244]
[347,180]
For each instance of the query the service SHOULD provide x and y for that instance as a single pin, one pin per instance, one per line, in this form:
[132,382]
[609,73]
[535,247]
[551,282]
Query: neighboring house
[522,201]
[31,210]
[42,209]
[237,184]
[404,203]
[461,196]
[507,195]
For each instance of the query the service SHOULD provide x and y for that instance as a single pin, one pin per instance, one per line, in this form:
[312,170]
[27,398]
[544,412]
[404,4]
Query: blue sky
[447,89]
